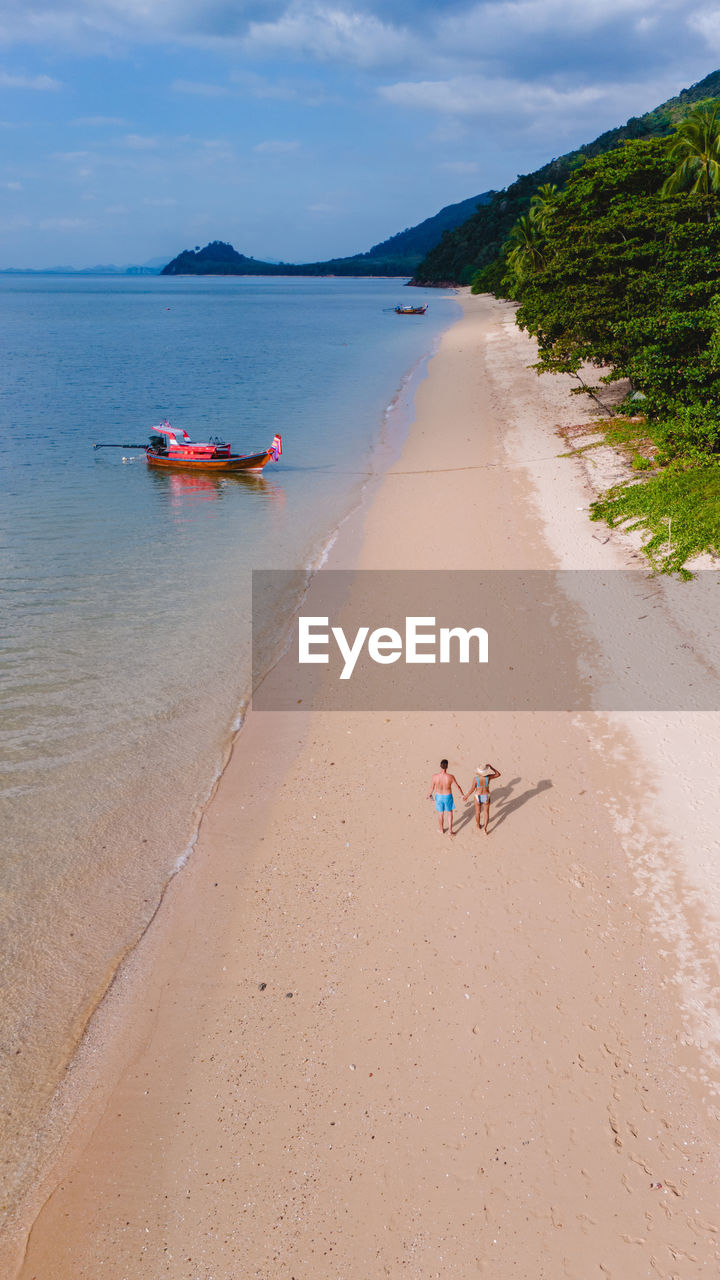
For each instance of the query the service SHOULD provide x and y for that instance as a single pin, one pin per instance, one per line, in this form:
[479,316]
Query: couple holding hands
[441,790]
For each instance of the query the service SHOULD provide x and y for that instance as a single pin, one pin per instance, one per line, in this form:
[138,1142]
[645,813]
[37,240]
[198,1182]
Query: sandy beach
[348,1047]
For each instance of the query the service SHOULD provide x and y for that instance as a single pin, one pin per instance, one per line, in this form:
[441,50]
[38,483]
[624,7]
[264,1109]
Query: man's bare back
[441,789]
[443,783]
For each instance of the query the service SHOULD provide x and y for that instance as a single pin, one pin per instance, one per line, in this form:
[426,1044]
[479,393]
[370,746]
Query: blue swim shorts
[444,804]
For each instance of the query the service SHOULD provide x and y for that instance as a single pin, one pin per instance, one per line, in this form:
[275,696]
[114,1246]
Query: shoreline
[81,1075]
[269,1092]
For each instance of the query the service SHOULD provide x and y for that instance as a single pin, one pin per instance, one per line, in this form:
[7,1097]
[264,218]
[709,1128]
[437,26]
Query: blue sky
[131,129]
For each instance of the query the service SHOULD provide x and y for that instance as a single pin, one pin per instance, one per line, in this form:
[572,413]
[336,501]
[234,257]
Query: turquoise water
[124,644]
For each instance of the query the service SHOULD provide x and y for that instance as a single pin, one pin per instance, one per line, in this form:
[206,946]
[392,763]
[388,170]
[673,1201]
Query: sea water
[124,631]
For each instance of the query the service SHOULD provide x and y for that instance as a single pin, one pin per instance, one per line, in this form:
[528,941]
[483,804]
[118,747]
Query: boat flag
[276,447]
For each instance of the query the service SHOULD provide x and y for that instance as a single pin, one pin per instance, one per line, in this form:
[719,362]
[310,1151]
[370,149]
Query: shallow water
[124,641]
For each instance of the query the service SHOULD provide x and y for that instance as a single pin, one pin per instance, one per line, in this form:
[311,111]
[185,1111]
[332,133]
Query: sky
[304,129]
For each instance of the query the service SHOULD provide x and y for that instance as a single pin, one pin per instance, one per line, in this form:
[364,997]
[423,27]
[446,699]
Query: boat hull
[252,463]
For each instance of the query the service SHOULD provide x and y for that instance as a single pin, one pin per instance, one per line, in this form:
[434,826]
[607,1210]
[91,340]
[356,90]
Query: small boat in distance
[166,450]
[411,311]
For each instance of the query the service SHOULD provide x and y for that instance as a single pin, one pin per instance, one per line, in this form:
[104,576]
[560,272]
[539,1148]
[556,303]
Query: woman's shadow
[510,804]
[504,797]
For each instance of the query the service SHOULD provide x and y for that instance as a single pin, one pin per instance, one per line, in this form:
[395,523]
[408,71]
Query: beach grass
[674,503]
[678,506]
[627,434]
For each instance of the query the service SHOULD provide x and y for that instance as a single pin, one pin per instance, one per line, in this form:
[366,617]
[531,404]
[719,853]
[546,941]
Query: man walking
[441,789]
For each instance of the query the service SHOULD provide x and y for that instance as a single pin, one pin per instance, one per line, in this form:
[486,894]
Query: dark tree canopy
[631,279]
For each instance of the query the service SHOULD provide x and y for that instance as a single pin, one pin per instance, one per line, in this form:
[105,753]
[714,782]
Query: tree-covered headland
[476,243]
[621,270]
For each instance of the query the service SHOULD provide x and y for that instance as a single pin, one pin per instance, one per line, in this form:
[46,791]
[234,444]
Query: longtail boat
[411,311]
[166,450]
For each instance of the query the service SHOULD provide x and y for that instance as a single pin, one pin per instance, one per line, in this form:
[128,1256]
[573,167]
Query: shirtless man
[481,789]
[441,788]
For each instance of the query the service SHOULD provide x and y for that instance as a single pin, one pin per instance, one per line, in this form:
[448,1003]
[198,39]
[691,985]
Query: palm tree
[543,203]
[695,147]
[526,254]
[526,243]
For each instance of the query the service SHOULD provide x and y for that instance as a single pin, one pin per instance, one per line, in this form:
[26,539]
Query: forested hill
[217,259]
[418,241]
[477,242]
[398,256]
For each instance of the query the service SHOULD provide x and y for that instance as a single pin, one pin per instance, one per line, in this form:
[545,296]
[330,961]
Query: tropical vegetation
[695,153]
[621,271]
[477,244]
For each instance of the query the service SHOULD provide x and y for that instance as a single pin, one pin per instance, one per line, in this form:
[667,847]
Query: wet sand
[350,1047]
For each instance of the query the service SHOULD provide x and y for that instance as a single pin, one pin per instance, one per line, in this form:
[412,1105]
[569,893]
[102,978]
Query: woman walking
[481,790]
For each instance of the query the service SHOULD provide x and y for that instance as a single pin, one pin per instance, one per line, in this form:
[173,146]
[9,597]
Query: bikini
[482,797]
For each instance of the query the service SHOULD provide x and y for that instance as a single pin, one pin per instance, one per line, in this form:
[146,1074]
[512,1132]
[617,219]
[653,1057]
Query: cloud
[507,23]
[43,83]
[104,25]
[555,106]
[12,186]
[276,148]
[707,24]
[330,34]
[479,96]
[425,39]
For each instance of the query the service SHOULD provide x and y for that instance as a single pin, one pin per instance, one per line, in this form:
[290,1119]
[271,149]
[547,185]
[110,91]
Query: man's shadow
[466,816]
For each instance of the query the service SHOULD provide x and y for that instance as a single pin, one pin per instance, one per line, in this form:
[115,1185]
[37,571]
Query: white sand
[485,1065]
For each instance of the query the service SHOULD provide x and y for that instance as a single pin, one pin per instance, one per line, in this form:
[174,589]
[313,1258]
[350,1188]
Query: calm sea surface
[124,630]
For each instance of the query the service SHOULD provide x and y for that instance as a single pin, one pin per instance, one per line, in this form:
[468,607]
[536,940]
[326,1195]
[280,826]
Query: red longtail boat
[167,450]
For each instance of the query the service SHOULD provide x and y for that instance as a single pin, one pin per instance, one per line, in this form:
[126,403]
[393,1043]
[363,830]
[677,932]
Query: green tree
[544,202]
[470,252]
[524,251]
[525,248]
[694,149]
[630,280]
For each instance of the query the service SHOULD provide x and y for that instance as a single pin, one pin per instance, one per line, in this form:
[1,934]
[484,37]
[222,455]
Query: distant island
[398,256]
[151,268]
